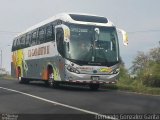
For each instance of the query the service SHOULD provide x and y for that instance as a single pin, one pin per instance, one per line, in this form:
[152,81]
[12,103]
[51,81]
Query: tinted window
[18,44]
[34,37]
[86,18]
[41,35]
[49,33]
[28,42]
[14,45]
[22,42]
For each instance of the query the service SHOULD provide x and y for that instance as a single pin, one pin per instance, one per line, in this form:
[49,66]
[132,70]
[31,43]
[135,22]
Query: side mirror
[124,36]
[97,32]
[66,32]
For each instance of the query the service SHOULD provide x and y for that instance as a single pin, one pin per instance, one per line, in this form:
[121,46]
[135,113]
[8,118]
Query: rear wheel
[20,78]
[19,75]
[94,86]
[51,82]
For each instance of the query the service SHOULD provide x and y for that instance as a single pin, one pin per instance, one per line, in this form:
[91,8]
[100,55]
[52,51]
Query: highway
[37,99]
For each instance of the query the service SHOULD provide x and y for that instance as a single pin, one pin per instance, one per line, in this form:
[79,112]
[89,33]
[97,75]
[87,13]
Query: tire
[94,87]
[51,82]
[20,79]
[23,80]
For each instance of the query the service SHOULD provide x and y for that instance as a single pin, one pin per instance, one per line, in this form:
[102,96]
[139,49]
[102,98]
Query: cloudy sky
[140,18]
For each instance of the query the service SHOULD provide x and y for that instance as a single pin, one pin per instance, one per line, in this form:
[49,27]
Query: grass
[134,86]
[7,77]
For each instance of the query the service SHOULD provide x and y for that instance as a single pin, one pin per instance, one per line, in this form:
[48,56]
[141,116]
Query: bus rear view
[85,50]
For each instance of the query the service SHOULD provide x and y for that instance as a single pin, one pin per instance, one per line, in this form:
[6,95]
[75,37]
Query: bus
[68,48]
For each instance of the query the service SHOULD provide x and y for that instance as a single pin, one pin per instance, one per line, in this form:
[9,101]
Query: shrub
[152,79]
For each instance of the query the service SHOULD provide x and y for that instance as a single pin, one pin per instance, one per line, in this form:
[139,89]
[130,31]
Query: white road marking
[60,104]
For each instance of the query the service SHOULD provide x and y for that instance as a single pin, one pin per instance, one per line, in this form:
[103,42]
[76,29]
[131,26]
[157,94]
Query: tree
[153,78]
[147,67]
[123,71]
[140,62]
[155,54]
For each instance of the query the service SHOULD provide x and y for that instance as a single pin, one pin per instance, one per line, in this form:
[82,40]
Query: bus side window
[60,40]
[18,43]
[22,42]
[27,40]
[53,33]
[49,33]
[14,45]
[41,35]
[34,38]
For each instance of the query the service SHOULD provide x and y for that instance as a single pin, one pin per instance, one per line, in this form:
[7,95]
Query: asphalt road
[38,99]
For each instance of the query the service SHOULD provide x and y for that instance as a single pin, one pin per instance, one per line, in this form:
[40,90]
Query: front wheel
[94,86]
[51,82]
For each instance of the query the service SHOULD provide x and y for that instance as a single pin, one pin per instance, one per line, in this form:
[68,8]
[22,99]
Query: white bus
[68,48]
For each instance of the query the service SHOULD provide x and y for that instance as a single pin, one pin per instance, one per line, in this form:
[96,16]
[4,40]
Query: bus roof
[78,18]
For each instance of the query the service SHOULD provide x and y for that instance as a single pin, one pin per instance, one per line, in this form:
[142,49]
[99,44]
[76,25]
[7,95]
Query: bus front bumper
[90,78]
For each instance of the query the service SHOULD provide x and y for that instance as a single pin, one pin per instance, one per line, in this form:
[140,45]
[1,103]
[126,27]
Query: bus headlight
[72,69]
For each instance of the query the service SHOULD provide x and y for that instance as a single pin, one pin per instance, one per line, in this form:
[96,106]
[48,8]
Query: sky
[140,18]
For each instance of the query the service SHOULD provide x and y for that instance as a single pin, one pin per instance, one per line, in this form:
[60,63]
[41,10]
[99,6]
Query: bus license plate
[95,78]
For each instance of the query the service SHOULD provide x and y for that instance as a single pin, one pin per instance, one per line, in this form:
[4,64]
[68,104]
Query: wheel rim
[51,80]
[19,78]
[19,74]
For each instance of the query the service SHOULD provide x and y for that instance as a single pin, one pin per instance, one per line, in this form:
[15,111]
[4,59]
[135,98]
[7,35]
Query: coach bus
[68,48]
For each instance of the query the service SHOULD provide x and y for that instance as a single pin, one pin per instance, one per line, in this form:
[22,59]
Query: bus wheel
[50,76]
[20,78]
[50,81]
[19,75]
[94,86]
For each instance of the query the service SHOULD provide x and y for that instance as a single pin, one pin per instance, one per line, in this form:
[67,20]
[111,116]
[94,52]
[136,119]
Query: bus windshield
[88,48]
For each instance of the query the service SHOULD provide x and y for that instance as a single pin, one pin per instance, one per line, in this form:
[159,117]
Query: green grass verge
[7,77]
[134,86]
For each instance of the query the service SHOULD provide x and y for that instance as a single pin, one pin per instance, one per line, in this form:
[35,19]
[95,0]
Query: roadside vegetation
[143,76]
[7,77]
